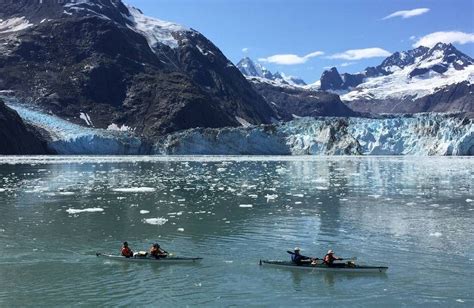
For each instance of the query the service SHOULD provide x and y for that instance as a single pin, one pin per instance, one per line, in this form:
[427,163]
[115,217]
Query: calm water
[415,215]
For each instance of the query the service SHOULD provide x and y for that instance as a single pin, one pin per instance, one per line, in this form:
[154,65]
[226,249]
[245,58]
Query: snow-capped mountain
[290,96]
[253,70]
[101,63]
[405,78]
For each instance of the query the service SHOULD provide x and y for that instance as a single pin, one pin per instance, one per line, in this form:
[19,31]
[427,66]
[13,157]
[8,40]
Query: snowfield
[400,86]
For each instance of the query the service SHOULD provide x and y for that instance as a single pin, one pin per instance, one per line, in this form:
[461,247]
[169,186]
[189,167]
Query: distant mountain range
[437,79]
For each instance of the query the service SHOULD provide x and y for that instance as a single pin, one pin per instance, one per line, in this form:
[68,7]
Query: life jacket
[328,259]
[127,252]
[154,252]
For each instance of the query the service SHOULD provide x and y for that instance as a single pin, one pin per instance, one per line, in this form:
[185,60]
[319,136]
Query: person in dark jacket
[298,258]
[157,252]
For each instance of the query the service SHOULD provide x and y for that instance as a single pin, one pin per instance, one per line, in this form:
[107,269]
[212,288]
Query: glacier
[67,138]
[423,134]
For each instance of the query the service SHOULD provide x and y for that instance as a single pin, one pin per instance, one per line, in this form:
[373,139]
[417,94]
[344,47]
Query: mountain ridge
[108,60]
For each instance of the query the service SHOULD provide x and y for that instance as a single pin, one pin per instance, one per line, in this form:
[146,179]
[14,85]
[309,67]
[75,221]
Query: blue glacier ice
[423,134]
[68,138]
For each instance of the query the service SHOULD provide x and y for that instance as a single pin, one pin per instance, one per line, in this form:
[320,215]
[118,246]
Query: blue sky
[322,30]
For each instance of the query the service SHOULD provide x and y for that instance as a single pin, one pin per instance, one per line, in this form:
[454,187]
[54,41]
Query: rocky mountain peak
[330,79]
[251,69]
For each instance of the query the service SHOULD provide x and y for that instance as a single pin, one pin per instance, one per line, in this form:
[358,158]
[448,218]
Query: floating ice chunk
[159,221]
[135,189]
[322,188]
[180,229]
[459,300]
[66,193]
[246,205]
[2,189]
[221,169]
[436,234]
[144,212]
[88,210]
[467,200]
[271,197]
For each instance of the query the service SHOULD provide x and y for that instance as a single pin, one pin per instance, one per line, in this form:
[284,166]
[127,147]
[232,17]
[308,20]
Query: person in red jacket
[329,258]
[126,251]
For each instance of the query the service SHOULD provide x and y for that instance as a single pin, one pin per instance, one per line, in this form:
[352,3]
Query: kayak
[339,267]
[147,259]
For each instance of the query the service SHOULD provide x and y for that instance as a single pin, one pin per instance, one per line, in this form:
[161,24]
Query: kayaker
[126,251]
[329,258]
[298,258]
[157,252]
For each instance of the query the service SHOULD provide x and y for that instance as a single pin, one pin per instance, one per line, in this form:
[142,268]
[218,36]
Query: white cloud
[407,13]
[357,54]
[245,50]
[445,37]
[345,64]
[290,59]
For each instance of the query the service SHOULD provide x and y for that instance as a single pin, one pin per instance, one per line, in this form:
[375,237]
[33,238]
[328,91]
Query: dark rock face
[291,102]
[90,59]
[331,80]
[17,138]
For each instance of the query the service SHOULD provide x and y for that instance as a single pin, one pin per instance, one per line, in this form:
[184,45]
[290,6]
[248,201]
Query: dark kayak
[339,267]
[145,259]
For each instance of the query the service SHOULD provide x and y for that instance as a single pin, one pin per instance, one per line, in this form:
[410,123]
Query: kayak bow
[137,259]
[340,267]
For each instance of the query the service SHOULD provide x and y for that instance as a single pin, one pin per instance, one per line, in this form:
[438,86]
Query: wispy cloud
[357,54]
[345,64]
[407,13]
[445,37]
[245,50]
[290,59]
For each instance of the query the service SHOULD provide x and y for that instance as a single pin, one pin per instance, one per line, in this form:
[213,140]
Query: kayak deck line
[341,267]
[147,259]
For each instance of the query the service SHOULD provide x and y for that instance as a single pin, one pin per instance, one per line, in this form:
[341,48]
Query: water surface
[414,215]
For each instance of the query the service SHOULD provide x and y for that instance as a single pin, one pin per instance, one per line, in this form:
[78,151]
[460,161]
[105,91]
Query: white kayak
[339,267]
[148,259]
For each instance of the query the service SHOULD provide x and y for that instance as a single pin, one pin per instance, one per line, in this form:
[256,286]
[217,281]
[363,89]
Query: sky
[305,37]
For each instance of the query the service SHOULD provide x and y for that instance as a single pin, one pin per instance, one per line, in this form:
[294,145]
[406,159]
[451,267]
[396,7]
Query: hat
[330,252]
[297,249]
